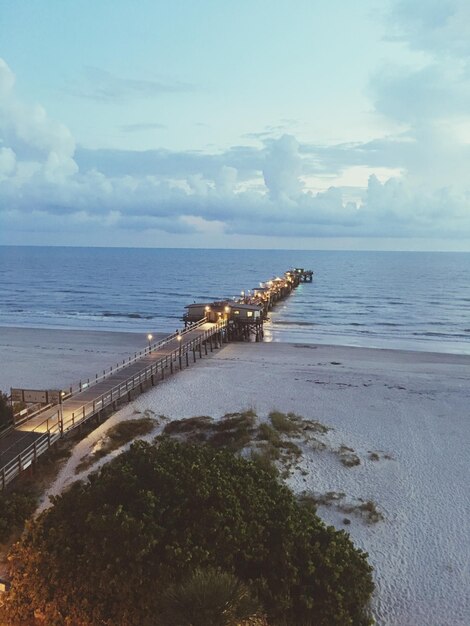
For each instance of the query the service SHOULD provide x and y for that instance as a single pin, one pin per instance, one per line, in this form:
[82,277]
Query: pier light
[179,336]
[207,309]
[242,294]
[149,339]
[227,309]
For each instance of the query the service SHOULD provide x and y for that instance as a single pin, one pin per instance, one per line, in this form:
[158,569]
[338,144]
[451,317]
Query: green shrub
[15,508]
[158,512]
[267,433]
[285,423]
[208,596]
[6,412]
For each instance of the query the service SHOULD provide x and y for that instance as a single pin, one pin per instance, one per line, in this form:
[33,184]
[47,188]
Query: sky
[249,124]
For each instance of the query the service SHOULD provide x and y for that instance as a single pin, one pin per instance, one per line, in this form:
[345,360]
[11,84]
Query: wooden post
[187,358]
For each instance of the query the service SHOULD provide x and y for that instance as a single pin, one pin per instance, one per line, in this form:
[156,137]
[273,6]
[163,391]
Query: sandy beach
[403,415]
[44,358]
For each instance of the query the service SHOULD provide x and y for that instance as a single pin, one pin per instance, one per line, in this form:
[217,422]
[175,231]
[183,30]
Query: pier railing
[57,425]
[82,385]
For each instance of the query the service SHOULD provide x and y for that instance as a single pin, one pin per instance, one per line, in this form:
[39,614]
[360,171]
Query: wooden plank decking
[21,447]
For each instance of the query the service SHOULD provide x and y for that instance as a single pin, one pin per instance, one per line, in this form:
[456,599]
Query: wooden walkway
[20,448]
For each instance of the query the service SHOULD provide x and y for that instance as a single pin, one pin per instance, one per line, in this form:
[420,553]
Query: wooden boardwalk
[20,448]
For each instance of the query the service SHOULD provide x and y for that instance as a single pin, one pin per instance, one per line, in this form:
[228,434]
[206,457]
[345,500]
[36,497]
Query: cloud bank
[48,182]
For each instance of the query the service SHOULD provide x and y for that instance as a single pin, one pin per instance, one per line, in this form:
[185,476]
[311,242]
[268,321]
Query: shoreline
[49,358]
[381,343]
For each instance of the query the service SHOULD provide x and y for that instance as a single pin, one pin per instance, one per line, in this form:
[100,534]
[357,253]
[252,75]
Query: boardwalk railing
[55,426]
[82,385]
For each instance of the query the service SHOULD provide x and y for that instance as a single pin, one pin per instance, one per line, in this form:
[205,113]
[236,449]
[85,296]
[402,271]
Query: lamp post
[149,338]
[61,412]
[179,337]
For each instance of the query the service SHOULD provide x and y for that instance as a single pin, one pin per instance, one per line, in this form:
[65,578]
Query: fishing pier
[207,327]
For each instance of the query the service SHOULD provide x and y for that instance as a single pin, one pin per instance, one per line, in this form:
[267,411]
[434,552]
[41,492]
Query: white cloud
[282,169]
[46,182]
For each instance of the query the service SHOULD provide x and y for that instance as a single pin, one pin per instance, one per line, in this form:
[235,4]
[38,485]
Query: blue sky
[240,124]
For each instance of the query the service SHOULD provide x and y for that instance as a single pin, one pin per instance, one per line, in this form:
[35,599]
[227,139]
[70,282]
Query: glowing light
[149,337]
[207,309]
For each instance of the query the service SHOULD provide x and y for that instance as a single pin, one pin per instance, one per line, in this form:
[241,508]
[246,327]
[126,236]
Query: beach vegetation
[176,516]
[263,459]
[16,506]
[269,434]
[209,596]
[6,411]
[348,457]
[116,437]
[314,426]
[233,431]
[285,423]
[366,509]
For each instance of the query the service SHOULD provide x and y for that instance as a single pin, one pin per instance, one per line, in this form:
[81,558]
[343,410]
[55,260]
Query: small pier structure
[207,326]
[245,315]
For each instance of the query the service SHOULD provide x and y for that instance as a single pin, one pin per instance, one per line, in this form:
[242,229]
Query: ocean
[406,300]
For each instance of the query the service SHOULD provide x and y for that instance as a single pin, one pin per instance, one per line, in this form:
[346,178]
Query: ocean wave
[429,333]
[293,323]
[131,316]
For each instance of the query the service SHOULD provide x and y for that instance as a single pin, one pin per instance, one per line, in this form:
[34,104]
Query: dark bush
[6,412]
[109,549]
[15,508]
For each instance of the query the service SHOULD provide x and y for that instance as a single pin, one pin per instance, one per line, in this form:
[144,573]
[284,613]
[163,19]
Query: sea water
[414,300]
